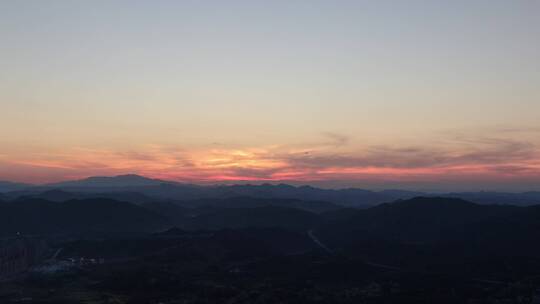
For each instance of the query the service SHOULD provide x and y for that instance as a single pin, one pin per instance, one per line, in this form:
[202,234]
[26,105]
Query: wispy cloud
[457,157]
[337,139]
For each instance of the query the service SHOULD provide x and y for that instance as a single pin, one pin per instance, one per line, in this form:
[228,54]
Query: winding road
[327,249]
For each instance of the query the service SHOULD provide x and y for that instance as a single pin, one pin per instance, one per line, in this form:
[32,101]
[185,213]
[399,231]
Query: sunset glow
[349,94]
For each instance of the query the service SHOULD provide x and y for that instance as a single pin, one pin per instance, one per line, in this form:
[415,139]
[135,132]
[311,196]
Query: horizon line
[261,182]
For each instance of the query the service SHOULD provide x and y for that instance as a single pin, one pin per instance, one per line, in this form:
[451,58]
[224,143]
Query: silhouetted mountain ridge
[155,189]
[251,202]
[440,222]
[6,186]
[128,180]
[261,217]
[37,216]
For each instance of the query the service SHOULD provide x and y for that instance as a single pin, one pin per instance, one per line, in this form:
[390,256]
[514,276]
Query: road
[389,267]
[330,251]
[318,242]
[56,253]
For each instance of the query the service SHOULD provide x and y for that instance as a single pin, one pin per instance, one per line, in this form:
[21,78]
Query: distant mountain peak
[121,176]
[126,180]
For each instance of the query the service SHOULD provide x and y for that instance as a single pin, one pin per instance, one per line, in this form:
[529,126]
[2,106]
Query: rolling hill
[36,216]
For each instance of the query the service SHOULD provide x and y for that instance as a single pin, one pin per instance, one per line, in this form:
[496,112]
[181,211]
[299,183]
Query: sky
[438,95]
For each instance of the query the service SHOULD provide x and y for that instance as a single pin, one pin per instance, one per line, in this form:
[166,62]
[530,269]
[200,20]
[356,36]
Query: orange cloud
[486,158]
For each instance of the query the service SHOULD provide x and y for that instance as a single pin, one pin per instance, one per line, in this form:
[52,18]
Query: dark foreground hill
[422,250]
[35,216]
[263,217]
[30,216]
[254,202]
[420,219]
[436,233]
[242,212]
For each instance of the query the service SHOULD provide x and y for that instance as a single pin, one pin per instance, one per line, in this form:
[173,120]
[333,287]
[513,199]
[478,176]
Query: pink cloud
[484,158]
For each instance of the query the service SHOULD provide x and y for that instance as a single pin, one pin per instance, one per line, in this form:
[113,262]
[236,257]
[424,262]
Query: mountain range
[423,236]
[139,189]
